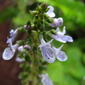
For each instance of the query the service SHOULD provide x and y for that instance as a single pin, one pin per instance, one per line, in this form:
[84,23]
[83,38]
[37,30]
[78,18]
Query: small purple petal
[64,30]
[20,59]
[11,33]
[58,38]
[57,22]
[52,25]
[44,43]
[68,38]
[57,29]
[48,54]
[51,8]
[62,56]
[7,54]
[14,47]
[47,51]
[20,48]
[46,80]
[9,42]
[27,47]
[50,12]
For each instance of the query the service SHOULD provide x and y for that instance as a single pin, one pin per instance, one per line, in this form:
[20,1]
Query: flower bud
[27,47]
[20,48]
[27,27]
[57,22]
[50,12]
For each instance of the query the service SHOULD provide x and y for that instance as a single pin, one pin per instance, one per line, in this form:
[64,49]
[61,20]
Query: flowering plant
[35,50]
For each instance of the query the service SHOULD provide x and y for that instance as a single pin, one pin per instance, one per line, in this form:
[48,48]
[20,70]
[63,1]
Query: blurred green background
[71,72]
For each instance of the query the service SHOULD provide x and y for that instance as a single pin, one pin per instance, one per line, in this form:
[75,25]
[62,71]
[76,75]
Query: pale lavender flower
[11,49]
[57,22]
[45,80]
[47,51]
[60,55]
[60,36]
[9,52]
[9,42]
[14,47]
[13,34]
[20,48]
[50,12]
[20,60]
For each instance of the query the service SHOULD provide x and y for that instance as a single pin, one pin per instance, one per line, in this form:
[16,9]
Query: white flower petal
[9,41]
[57,50]
[57,22]
[62,33]
[64,30]
[46,80]
[58,38]
[47,51]
[11,33]
[50,12]
[57,29]
[42,41]
[48,54]
[50,41]
[49,59]
[20,48]
[51,8]
[20,59]
[14,47]
[68,38]
[7,54]
[62,56]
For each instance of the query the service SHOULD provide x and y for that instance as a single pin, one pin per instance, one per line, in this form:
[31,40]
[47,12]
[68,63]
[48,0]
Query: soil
[9,70]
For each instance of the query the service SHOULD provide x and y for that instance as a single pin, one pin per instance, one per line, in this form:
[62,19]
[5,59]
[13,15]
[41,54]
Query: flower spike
[50,12]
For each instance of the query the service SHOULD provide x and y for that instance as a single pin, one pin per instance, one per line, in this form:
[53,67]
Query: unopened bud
[27,27]
[57,22]
[20,48]
[27,47]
